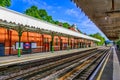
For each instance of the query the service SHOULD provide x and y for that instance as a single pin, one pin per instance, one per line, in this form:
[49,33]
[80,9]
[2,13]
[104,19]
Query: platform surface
[111,67]
[8,60]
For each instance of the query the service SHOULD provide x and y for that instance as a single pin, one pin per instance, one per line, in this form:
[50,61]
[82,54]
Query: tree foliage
[39,13]
[5,3]
[118,42]
[43,15]
[66,25]
[56,22]
[98,36]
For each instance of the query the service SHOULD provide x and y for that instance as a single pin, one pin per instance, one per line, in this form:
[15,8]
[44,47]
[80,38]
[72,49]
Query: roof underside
[9,17]
[104,13]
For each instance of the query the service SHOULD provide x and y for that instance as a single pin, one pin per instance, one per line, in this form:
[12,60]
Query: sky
[61,10]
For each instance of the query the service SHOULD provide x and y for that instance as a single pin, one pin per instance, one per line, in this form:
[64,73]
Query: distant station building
[22,34]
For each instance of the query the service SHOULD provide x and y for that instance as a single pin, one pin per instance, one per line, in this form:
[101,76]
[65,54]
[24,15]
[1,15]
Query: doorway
[2,49]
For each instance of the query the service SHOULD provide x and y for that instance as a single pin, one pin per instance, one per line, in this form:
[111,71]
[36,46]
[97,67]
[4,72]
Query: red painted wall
[10,37]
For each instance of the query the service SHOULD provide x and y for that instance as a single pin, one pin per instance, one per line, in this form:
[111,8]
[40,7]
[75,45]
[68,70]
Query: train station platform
[10,60]
[110,68]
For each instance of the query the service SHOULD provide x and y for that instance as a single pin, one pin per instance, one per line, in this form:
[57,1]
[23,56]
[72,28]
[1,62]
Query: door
[47,47]
[2,49]
[61,44]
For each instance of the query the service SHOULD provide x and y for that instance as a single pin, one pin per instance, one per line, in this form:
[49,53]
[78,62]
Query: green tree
[49,19]
[43,15]
[33,11]
[56,22]
[98,36]
[66,25]
[39,13]
[117,42]
[5,3]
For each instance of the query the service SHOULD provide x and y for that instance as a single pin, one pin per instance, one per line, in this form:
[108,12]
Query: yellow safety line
[100,74]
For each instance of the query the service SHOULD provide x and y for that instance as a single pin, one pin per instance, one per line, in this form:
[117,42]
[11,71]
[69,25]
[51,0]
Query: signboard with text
[17,44]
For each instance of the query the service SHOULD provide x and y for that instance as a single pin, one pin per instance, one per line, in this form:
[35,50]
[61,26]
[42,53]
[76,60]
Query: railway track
[83,71]
[70,73]
[86,73]
[54,68]
[47,70]
[57,68]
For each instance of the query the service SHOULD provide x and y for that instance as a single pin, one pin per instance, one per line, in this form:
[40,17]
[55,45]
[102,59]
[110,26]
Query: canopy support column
[19,41]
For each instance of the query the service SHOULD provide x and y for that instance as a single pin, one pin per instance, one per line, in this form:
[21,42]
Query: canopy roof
[104,13]
[22,20]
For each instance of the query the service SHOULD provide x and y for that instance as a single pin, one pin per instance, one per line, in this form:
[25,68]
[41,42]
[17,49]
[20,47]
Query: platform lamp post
[19,41]
[52,43]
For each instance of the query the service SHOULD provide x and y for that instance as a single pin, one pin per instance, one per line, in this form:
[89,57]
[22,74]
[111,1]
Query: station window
[45,40]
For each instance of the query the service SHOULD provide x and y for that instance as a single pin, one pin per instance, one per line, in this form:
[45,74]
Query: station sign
[27,45]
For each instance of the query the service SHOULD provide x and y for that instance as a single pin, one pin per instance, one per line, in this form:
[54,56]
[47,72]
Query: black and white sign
[17,44]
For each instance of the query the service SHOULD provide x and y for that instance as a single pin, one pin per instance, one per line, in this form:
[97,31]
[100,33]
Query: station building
[26,35]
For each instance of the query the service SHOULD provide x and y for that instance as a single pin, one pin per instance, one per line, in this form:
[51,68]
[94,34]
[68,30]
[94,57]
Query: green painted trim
[52,49]
[19,46]
[19,54]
